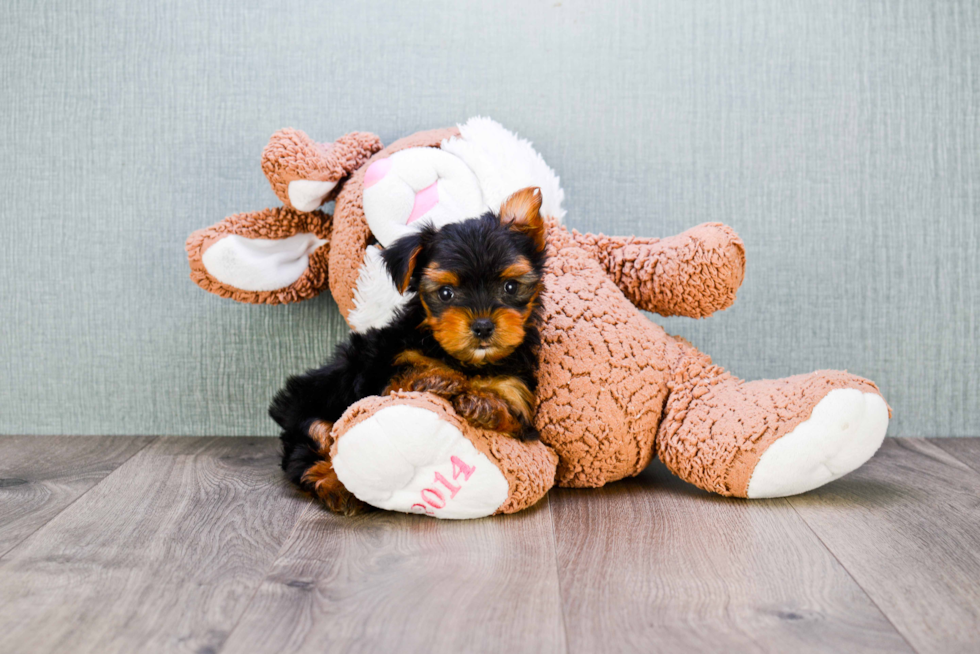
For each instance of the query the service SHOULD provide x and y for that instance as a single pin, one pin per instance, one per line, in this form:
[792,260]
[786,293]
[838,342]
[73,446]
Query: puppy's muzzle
[482,328]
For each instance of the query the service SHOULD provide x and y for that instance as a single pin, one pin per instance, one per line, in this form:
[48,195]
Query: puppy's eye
[510,287]
[446,293]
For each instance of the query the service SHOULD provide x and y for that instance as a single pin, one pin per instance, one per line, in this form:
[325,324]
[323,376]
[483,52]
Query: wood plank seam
[191,523]
[561,595]
[394,582]
[906,523]
[265,575]
[938,442]
[149,442]
[691,571]
[856,582]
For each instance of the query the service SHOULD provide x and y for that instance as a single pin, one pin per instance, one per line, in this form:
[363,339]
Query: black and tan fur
[468,334]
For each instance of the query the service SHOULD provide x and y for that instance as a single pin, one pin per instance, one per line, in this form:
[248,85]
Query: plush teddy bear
[614,388]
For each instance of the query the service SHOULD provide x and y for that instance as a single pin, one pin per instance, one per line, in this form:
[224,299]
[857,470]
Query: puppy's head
[478,280]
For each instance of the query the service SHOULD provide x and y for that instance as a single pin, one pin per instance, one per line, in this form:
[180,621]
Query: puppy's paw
[528,433]
[344,503]
[441,385]
[446,384]
[487,410]
[321,481]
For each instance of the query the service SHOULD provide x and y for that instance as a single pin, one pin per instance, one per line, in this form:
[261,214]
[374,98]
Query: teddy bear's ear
[304,174]
[274,256]
[522,211]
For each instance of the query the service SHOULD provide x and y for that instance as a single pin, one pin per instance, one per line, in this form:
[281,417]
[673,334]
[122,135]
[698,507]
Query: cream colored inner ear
[258,264]
[307,195]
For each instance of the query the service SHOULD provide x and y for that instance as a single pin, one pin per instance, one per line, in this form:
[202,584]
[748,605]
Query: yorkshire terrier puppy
[469,334]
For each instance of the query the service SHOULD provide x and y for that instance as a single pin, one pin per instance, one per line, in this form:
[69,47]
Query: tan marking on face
[507,335]
[440,277]
[452,330]
[519,268]
[531,304]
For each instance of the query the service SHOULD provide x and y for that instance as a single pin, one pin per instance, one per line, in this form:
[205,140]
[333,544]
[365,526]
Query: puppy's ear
[522,212]
[401,258]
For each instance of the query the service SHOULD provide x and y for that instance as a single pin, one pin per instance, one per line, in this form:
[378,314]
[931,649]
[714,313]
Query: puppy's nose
[482,328]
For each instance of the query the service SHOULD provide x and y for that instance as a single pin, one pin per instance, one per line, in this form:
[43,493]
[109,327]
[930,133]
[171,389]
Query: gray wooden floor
[117,544]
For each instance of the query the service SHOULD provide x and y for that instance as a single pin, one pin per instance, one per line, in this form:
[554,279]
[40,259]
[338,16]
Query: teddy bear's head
[292,253]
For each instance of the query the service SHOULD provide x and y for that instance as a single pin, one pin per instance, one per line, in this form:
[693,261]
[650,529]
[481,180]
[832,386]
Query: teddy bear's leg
[304,174]
[769,438]
[409,452]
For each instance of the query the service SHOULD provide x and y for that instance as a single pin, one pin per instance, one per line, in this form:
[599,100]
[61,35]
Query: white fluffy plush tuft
[844,430]
[376,300]
[401,459]
[258,264]
[505,163]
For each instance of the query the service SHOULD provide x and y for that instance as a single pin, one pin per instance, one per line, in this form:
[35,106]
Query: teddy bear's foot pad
[844,430]
[407,458]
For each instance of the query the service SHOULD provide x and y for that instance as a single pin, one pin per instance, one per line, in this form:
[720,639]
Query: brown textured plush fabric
[744,417]
[613,384]
[529,468]
[291,155]
[351,233]
[610,380]
[603,370]
[614,387]
[692,274]
[267,224]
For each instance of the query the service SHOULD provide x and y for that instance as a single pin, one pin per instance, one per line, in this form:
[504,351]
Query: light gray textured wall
[840,138]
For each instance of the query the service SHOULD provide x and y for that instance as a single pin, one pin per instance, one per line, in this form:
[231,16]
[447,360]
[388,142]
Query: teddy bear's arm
[692,274]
